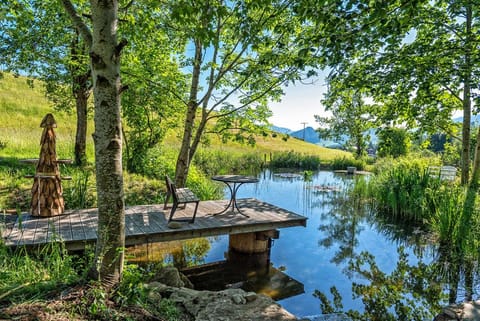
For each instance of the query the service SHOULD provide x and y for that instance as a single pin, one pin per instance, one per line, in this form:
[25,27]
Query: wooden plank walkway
[148,224]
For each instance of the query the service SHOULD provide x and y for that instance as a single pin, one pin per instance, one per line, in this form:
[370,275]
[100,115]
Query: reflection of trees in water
[342,225]
[404,233]
[179,253]
[410,292]
[453,266]
[407,293]
[192,252]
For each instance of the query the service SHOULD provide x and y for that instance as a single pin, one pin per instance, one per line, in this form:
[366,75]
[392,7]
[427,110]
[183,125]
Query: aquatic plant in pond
[401,188]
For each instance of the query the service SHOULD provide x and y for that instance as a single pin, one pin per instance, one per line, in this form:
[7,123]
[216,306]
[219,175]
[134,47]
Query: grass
[22,108]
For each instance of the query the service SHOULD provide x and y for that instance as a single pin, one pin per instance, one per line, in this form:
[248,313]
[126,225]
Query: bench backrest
[169,183]
[172,188]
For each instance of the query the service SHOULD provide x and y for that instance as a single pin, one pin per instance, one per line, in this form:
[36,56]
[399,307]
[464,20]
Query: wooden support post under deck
[251,250]
[250,243]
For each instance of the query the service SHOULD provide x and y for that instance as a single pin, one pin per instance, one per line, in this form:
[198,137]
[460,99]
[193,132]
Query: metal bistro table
[234,182]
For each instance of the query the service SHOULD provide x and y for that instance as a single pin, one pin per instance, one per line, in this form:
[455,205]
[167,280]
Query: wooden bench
[180,196]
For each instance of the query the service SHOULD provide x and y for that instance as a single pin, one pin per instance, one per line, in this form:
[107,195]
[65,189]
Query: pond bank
[467,311]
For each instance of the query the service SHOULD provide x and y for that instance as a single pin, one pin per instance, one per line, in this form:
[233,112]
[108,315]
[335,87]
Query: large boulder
[226,305]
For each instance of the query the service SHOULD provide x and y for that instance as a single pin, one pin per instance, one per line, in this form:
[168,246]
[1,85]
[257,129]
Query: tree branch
[78,22]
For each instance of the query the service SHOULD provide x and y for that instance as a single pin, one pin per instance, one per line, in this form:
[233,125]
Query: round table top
[235,179]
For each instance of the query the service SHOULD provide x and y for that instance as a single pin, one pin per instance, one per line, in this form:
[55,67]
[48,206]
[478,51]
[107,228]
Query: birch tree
[237,55]
[105,52]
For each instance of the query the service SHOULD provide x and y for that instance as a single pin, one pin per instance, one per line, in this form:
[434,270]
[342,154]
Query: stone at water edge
[174,225]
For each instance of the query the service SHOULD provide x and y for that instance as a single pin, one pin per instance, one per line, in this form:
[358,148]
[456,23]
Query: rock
[250,296]
[452,312]
[186,282]
[460,312]
[238,299]
[170,276]
[226,305]
[174,225]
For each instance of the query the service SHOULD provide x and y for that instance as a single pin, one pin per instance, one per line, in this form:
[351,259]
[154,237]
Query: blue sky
[299,104]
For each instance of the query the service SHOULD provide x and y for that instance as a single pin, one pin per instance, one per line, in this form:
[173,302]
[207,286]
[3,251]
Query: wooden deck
[148,224]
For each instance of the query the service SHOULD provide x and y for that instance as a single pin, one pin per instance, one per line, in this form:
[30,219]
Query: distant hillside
[308,135]
[281,130]
[475,119]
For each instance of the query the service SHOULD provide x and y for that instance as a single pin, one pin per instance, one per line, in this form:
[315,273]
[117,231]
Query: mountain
[475,119]
[281,130]
[308,134]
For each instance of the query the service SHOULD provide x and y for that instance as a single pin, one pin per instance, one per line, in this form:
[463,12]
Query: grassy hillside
[22,108]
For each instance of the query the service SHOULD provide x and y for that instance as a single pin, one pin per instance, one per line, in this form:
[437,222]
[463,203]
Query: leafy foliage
[351,117]
[393,142]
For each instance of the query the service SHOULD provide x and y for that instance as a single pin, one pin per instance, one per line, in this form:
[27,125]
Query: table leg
[233,200]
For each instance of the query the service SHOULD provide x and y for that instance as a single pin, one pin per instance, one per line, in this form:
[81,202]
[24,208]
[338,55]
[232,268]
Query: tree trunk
[467,105]
[466,133]
[81,89]
[183,160]
[81,93]
[105,61]
[471,197]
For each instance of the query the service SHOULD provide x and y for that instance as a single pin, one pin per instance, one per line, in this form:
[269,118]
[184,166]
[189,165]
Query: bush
[344,162]
[219,162]
[292,159]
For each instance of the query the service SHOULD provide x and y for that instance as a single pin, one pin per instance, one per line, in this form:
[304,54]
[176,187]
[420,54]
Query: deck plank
[148,223]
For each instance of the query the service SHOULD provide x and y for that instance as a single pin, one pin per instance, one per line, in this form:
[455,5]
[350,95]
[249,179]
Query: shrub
[344,162]
[220,162]
[292,159]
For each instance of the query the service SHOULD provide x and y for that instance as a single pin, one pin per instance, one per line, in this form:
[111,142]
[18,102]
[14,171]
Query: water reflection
[179,253]
[266,280]
[377,266]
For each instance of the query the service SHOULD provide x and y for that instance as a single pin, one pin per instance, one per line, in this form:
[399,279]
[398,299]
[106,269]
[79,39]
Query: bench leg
[167,197]
[172,211]
[194,212]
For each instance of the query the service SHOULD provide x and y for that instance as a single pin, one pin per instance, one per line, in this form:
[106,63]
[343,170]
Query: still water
[319,254]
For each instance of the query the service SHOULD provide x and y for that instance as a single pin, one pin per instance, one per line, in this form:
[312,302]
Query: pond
[343,246]
[319,255]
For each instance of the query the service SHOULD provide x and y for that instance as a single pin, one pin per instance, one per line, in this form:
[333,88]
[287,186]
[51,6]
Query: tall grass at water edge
[341,163]
[25,276]
[402,188]
[215,162]
[292,159]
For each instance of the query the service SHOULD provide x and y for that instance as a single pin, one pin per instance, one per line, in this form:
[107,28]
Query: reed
[292,159]
[341,163]
[401,189]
